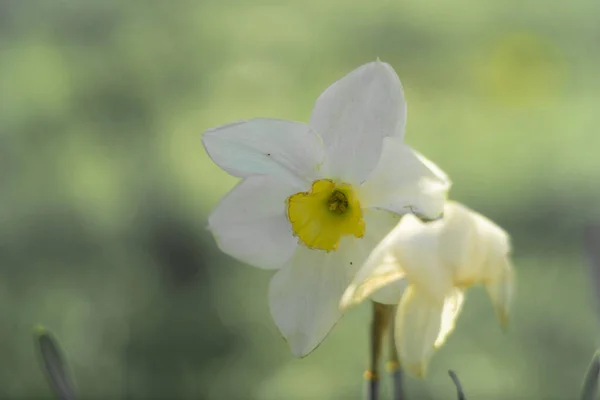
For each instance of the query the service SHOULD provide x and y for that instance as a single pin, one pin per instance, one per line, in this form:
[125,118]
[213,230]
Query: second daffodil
[428,266]
[316,198]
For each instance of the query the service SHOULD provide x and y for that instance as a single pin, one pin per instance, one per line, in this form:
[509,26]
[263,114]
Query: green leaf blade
[459,390]
[54,364]
[590,382]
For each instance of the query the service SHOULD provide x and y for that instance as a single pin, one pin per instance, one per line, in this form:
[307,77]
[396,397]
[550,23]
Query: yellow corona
[323,215]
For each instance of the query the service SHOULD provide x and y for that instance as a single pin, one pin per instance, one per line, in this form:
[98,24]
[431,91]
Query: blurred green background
[106,188]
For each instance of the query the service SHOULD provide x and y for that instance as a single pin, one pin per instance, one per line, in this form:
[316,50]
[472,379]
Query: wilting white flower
[427,267]
[315,199]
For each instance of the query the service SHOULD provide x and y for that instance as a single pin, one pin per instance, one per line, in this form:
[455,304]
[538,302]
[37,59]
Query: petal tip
[386,67]
[378,68]
[213,130]
[214,231]
[209,134]
[504,320]
[299,344]
[379,62]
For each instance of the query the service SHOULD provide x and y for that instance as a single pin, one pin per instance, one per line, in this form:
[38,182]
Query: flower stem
[393,364]
[379,325]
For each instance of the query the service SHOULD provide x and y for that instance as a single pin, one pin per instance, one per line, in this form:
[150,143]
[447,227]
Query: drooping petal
[250,223]
[405,181]
[471,244]
[284,149]
[460,246]
[501,290]
[391,293]
[477,250]
[418,325]
[375,276]
[377,270]
[452,307]
[494,243]
[304,296]
[415,246]
[353,116]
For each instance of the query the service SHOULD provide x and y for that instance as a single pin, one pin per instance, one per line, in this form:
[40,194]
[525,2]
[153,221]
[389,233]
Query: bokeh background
[106,188]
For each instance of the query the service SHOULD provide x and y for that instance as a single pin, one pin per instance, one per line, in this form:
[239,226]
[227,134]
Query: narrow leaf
[590,383]
[459,390]
[53,364]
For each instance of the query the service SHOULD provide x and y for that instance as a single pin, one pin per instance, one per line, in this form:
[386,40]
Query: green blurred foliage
[106,187]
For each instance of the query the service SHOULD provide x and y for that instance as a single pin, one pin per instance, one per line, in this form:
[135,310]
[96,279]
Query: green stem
[379,325]
[393,364]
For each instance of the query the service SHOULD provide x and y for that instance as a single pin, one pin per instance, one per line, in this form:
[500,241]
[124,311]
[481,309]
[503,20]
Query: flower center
[323,215]
[337,202]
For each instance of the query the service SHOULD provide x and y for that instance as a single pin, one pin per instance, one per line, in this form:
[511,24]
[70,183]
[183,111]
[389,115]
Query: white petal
[304,295]
[284,149]
[452,307]
[390,293]
[415,246]
[471,244]
[418,324]
[494,241]
[460,246]
[405,181]
[478,252]
[250,223]
[373,279]
[501,290]
[354,114]
[379,271]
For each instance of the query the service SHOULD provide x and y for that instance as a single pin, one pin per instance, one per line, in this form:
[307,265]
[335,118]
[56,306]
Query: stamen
[337,202]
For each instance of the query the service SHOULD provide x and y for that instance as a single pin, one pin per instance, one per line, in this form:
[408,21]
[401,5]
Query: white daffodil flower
[427,267]
[316,199]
